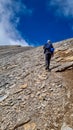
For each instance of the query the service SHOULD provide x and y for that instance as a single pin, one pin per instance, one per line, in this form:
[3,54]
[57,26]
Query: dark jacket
[47,48]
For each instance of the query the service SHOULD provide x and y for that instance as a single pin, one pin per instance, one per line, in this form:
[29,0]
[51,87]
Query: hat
[48,41]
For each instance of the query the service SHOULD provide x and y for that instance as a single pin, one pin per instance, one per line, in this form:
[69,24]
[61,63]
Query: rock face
[32,98]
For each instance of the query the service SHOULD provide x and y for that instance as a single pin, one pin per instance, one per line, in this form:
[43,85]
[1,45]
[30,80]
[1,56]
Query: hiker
[48,51]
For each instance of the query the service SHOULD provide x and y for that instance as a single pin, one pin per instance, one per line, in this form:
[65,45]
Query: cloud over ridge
[63,7]
[9,19]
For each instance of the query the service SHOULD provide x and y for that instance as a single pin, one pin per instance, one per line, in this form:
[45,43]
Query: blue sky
[33,22]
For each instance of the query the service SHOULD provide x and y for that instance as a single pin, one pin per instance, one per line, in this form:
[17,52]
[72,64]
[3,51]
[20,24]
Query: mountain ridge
[32,98]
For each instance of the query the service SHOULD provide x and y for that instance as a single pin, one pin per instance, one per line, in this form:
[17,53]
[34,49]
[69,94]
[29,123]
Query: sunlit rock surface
[32,98]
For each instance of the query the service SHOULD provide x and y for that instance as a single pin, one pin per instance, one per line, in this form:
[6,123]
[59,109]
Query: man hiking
[48,51]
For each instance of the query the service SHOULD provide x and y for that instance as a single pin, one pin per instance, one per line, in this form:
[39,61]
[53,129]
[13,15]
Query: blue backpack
[52,49]
[49,48]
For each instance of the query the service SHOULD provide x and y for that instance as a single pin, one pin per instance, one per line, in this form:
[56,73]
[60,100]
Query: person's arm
[53,51]
[52,46]
[44,48]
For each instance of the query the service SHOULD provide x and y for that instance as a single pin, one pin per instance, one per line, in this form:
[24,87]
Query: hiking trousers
[47,60]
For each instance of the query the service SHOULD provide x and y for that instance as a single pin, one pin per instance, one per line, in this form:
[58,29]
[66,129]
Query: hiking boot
[46,68]
[49,70]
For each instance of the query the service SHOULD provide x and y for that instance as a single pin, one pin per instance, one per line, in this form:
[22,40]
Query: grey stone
[65,127]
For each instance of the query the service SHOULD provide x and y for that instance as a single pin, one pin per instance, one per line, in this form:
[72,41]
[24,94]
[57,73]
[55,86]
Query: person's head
[48,41]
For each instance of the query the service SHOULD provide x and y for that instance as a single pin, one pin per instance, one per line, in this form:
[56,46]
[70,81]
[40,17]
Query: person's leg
[46,61]
[49,58]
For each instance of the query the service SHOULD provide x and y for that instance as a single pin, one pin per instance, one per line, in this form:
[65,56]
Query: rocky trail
[32,98]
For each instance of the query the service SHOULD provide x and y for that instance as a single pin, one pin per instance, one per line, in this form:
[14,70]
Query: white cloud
[9,10]
[62,7]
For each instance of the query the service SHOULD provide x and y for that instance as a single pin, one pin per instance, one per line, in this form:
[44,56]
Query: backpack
[49,48]
[52,50]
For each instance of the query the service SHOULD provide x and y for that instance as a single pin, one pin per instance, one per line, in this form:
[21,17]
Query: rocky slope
[32,98]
